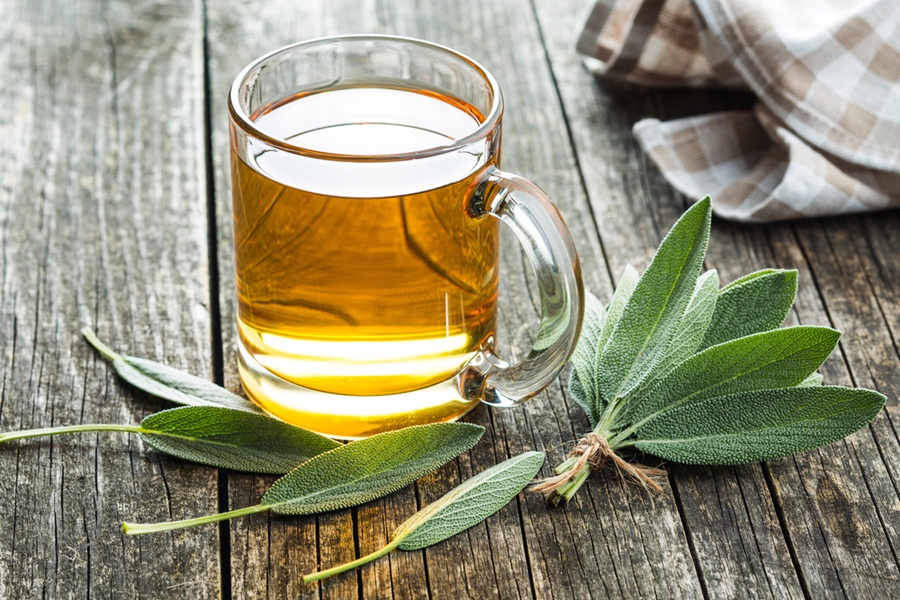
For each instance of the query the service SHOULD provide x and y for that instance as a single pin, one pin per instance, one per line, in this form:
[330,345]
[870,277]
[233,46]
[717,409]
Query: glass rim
[240,117]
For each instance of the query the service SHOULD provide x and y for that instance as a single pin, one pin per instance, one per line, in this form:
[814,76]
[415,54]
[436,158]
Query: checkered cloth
[824,137]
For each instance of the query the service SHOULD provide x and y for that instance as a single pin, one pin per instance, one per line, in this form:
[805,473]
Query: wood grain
[102,223]
[116,155]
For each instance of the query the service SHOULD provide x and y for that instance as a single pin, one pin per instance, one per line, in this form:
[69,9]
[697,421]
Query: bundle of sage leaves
[677,368]
[221,429]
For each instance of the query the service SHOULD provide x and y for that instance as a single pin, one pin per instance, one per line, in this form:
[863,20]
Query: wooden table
[114,213]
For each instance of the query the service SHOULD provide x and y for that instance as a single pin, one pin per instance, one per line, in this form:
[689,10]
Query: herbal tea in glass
[367,199]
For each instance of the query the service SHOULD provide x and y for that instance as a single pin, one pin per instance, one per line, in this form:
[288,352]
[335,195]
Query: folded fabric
[824,137]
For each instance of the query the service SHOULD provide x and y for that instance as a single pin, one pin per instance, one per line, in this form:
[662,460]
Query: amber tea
[364,299]
[367,201]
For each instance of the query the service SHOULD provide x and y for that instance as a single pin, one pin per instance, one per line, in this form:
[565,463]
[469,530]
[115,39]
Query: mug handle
[539,227]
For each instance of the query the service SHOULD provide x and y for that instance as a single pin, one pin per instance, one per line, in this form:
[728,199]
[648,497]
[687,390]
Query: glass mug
[367,198]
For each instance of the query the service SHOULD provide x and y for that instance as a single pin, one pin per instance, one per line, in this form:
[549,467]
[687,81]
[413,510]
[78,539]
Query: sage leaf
[749,276]
[167,383]
[598,398]
[773,359]
[652,314]
[581,381]
[759,425]
[215,436]
[694,323]
[627,284]
[461,508]
[581,397]
[232,439]
[757,302]
[370,468]
[470,503]
[180,387]
[687,337]
[813,380]
[351,474]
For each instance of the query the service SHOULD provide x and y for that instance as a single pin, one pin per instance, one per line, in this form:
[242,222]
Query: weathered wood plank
[102,223]
[846,509]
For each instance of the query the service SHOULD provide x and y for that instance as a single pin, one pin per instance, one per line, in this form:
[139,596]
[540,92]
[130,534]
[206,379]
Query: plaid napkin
[824,137]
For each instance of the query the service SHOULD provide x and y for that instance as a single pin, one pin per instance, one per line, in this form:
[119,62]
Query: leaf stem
[142,528]
[568,489]
[607,419]
[99,346]
[352,565]
[621,441]
[565,465]
[30,433]
[576,483]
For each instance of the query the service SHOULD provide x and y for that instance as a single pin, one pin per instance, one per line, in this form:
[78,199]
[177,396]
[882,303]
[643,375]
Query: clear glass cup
[367,198]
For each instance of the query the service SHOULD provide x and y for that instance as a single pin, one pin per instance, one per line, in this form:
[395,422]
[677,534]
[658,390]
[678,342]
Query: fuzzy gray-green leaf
[370,468]
[584,357]
[597,397]
[693,324]
[168,383]
[653,312]
[813,380]
[470,503]
[773,359]
[696,318]
[756,302]
[177,386]
[577,393]
[627,283]
[749,276]
[232,439]
[758,425]
[690,332]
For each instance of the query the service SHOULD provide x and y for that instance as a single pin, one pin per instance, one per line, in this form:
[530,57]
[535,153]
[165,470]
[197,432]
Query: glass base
[349,417]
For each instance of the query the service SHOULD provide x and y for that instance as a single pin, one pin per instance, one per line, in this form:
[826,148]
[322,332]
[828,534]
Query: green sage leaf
[581,381]
[213,435]
[581,398]
[757,302]
[653,313]
[773,359]
[627,284]
[470,503]
[178,386]
[351,474]
[168,383]
[461,508]
[813,380]
[598,398]
[759,425]
[687,338]
[369,468]
[749,276]
[232,439]
[693,324]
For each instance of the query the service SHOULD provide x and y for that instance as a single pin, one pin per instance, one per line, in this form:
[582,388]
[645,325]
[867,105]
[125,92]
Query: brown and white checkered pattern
[825,135]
